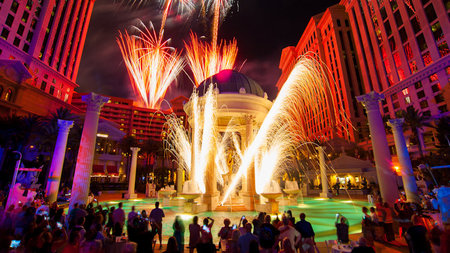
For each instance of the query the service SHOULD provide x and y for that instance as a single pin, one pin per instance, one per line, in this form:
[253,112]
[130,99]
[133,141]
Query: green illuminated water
[321,213]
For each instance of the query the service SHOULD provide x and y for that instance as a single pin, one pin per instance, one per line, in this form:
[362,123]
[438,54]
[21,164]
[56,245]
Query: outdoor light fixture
[102,135]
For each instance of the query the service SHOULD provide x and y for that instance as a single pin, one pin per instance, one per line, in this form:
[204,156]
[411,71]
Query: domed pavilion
[241,99]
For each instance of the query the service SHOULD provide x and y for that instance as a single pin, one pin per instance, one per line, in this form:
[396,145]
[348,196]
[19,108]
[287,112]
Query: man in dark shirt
[362,247]
[305,228]
[268,234]
[416,237]
[156,216]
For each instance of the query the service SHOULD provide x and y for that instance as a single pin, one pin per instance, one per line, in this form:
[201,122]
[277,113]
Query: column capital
[65,125]
[370,100]
[94,101]
[396,124]
[249,118]
[135,149]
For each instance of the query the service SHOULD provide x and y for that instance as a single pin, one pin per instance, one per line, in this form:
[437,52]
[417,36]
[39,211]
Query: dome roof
[231,81]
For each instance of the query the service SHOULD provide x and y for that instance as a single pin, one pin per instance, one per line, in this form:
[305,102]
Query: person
[286,246]
[245,239]
[307,233]
[362,247]
[118,220]
[366,226]
[225,234]
[388,223]
[232,244]
[73,246]
[144,237]
[156,216]
[416,237]
[268,235]
[194,234]
[287,231]
[342,228]
[290,217]
[80,228]
[206,241]
[241,226]
[178,233]
[131,216]
[172,246]
[258,222]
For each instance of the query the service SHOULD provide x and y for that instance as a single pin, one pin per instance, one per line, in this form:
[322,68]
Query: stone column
[323,173]
[409,181]
[180,179]
[85,159]
[54,176]
[250,195]
[383,162]
[132,178]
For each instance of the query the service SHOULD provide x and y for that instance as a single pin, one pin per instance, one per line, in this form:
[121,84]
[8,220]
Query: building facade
[139,122]
[403,50]
[328,39]
[47,38]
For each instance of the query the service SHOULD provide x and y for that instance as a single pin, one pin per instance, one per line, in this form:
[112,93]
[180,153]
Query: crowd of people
[406,220]
[36,226]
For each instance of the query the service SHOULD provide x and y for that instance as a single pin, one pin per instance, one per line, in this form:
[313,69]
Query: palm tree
[415,121]
[125,144]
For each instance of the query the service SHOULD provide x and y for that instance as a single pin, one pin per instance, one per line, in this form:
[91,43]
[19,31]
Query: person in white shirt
[289,232]
[119,220]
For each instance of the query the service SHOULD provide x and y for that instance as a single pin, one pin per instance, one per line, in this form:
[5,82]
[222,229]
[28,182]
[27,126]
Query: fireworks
[152,65]
[205,59]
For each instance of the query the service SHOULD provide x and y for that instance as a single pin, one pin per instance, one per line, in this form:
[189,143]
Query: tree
[125,144]
[415,121]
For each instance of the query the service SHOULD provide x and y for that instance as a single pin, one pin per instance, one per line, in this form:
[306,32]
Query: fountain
[190,193]
[292,190]
[239,140]
[269,204]
[166,193]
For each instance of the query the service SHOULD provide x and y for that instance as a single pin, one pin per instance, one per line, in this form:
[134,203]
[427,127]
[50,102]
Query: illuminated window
[405,91]
[401,74]
[437,31]
[418,85]
[443,48]
[413,66]
[397,60]
[408,52]
[427,58]
[408,100]
[25,16]
[433,78]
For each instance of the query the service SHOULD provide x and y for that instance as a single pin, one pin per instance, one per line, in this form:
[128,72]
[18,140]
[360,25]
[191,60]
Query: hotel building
[403,50]
[139,122]
[40,50]
[328,39]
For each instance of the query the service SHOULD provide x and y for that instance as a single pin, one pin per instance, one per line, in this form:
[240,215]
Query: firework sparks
[151,64]
[206,59]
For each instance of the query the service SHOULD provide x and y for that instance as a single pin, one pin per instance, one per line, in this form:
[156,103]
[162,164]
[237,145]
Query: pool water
[321,213]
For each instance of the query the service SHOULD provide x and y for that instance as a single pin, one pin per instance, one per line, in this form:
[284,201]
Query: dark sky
[262,28]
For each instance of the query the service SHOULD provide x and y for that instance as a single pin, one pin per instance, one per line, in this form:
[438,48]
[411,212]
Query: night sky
[262,28]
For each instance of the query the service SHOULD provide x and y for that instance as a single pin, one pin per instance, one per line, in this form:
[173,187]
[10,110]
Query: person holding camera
[206,241]
[156,215]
